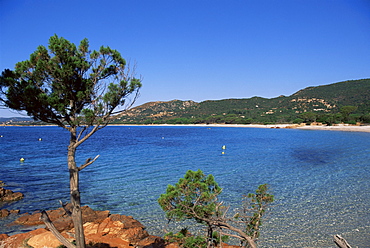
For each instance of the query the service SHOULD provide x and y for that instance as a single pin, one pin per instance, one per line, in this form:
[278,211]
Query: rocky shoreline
[6,195]
[102,229]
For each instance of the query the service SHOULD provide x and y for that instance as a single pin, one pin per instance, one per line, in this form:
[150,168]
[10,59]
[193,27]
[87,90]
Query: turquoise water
[320,179]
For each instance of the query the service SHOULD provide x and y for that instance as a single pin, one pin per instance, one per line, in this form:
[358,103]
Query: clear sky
[204,49]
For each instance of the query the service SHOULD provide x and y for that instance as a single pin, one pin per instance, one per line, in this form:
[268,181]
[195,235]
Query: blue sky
[204,50]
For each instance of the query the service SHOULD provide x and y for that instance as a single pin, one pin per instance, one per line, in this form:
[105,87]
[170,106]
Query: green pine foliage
[257,203]
[195,197]
[66,83]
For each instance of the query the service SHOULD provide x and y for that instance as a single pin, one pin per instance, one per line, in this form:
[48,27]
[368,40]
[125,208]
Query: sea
[320,179]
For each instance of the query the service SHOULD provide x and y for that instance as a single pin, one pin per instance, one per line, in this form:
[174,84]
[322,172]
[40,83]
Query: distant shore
[340,127]
[337,127]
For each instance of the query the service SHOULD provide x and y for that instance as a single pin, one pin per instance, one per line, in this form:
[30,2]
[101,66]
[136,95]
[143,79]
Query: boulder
[154,242]
[19,240]
[115,227]
[102,230]
[46,239]
[8,195]
[117,231]
[5,212]
[61,220]
[3,236]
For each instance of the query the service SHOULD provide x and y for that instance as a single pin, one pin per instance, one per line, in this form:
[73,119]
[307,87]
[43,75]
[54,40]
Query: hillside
[322,103]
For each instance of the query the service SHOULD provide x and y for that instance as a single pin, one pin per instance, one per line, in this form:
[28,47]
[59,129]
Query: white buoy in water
[22,160]
[40,139]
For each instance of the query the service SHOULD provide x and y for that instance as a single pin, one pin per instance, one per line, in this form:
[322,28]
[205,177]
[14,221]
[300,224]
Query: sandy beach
[338,127]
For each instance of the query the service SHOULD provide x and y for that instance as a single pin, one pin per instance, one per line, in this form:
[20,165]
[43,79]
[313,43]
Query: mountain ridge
[324,103]
[322,100]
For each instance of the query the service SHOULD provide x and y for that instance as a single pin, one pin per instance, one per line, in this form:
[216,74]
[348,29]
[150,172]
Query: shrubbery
[195,197]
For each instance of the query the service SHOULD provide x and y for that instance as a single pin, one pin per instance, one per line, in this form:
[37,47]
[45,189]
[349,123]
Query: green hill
[323,103]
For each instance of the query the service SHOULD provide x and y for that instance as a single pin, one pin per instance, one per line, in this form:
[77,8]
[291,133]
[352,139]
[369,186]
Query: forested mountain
[347,101]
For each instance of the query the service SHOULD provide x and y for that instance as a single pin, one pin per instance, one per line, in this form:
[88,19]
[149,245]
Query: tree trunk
[248,239]
[75,192]
[45,218]
[210,237]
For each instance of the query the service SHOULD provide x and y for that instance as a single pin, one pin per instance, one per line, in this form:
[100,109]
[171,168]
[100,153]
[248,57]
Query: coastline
[337,127]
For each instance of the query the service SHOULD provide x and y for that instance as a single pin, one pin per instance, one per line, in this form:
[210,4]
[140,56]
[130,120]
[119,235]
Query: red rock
[107,241]
[18,240]
[61,220]
[89,215]
[172,245]
[29,220]
[3,236]
[8,195]
[152,242]
[46,239]
[101,230]
[5,212]
[120,226]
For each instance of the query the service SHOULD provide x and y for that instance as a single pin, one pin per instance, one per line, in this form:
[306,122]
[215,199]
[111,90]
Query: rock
[46,239]
[152,242]
[28,220]
[102,230]
[5,212]
[8,195]
[61,220]
[3,236]
[116,227]
[19,240]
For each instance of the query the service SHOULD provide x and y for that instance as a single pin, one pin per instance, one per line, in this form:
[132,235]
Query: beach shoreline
[338,127]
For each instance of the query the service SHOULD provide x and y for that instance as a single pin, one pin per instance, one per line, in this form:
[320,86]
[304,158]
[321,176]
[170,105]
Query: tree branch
[79,142]
[88,162]
[341,242]
[237,230]
[222,224]
[65,209]
[45,218]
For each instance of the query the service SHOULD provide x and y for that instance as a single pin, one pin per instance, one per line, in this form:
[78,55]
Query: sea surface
[320,179]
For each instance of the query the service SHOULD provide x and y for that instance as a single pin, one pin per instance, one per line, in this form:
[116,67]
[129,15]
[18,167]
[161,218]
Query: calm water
[320,179]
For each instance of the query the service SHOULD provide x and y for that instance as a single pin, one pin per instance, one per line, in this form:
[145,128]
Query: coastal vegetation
[196,197]
[76,89]
[343,102]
